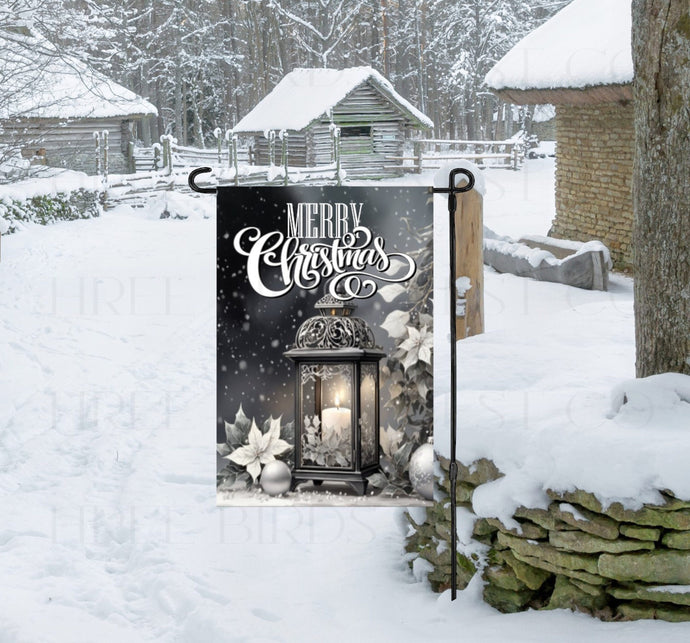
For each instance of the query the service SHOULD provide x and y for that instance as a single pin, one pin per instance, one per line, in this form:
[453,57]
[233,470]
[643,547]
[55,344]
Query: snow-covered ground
[110,530]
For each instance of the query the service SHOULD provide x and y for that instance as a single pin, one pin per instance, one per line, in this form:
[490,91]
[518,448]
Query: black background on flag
[253,331]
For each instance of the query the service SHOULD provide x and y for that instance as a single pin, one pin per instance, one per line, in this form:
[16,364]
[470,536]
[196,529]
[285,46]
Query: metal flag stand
[451,191]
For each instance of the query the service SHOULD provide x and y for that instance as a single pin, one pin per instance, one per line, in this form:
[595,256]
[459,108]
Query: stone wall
[610,562]
[594,158]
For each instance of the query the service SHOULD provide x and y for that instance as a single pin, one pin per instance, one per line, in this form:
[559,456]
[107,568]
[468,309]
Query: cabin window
[355,131]
[356,140]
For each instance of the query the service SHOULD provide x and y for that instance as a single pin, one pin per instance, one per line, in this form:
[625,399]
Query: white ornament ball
[421,471]
[276,478]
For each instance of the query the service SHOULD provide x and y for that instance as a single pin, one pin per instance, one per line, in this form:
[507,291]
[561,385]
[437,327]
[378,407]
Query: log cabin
[51,104]
[374,121]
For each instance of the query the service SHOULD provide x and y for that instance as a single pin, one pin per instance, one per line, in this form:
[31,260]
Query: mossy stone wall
[611,562]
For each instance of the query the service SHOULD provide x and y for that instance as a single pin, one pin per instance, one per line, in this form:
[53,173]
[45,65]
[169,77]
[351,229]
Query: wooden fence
[432,153]
[428,154]
[167,155]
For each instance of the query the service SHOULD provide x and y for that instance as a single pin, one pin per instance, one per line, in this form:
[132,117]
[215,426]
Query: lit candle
[335,420]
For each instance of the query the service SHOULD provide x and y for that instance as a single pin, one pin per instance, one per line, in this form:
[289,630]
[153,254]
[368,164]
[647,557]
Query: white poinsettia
[417,346]
[390,440]
[261,448]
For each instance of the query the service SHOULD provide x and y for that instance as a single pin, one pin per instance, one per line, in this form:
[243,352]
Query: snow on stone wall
[608,561]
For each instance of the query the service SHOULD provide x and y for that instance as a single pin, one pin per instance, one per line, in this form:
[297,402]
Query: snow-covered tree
[23,61]
[205,64]
[319,28]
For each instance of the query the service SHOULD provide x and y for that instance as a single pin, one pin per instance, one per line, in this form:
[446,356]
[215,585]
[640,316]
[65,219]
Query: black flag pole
[451,191]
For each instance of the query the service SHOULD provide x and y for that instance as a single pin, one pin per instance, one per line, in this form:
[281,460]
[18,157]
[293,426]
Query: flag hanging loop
[452,190]
[191,181]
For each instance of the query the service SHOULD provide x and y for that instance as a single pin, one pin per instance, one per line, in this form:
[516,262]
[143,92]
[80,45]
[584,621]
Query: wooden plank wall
[365,106]
[71,144]
[297,150]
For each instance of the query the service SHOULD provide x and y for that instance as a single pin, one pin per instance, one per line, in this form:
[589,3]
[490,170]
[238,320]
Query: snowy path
[110,530]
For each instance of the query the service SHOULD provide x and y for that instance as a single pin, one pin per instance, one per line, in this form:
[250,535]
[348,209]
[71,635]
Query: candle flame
[337,401]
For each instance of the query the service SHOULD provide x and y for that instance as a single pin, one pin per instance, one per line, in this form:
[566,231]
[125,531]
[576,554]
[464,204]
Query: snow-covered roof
[586,44]
[307,94]
[40,82]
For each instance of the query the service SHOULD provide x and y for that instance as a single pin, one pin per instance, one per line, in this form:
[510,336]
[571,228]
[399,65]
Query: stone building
[580,61]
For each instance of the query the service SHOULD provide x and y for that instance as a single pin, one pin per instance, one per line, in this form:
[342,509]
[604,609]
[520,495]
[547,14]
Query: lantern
[336,397]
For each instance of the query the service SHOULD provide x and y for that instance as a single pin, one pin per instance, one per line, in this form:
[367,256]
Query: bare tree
[23,62]
[206,65]
[661,185]
[320,27]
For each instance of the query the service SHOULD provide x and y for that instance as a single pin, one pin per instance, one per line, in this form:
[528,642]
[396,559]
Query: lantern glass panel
[326,409]
[367,422]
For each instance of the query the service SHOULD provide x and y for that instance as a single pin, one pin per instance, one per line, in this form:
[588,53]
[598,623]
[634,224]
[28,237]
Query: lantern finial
[340,306]
[331,306]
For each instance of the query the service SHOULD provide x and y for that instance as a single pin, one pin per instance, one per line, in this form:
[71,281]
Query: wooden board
[469,261]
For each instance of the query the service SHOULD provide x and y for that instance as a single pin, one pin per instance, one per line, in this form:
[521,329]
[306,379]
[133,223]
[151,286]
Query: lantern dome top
[335,327]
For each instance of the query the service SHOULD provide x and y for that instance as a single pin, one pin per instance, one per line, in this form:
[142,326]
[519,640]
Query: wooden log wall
[363,155]
[366,106]
[70,144]
[297,150]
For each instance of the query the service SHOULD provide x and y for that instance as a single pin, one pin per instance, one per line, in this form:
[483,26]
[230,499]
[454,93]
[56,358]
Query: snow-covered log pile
[80,203]
[608,561]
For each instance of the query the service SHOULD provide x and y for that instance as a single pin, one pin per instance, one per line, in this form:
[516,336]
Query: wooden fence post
[284,154]
[417,153]
[469,264]
[336,154]
[235,162]
[164,150]
[97,138]
[271,148]
[106,147]
[131,165]
[166,141]
[227,137]
[218,133]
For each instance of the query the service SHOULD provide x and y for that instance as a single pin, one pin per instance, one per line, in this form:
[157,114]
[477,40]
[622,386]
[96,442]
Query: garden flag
[324,345]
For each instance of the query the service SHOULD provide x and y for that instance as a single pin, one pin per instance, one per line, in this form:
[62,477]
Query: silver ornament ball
[421,471]
[276,478]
